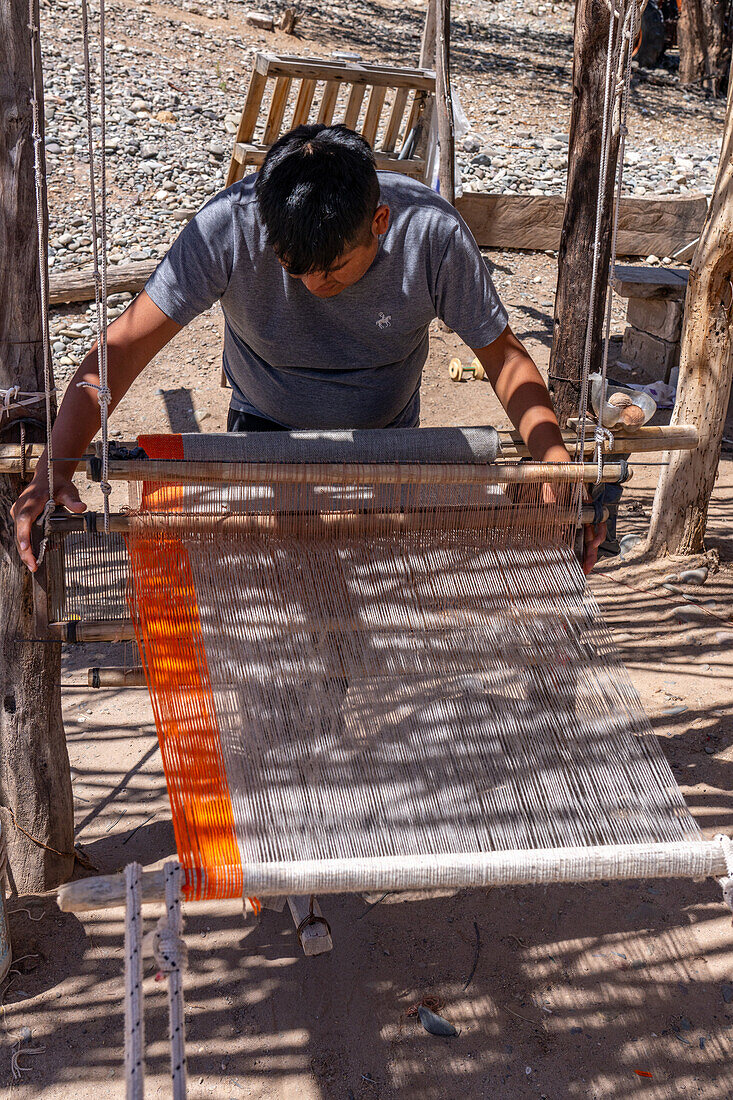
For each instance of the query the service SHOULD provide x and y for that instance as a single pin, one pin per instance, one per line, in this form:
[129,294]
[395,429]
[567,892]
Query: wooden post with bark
[35,785]
[679,514]
[575,257]
[444,105]
[704,32]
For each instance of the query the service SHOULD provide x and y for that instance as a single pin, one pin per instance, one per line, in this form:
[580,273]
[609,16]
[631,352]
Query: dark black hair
[317,192]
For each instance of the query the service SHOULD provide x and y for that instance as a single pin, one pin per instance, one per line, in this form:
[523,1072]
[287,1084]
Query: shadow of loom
[581,985]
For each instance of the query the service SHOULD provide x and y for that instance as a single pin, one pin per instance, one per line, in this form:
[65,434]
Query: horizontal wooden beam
[646,225]
[78,286]
[254,156]
[121,522]
[360,72]
[91,630]
[631,281]
[336,473]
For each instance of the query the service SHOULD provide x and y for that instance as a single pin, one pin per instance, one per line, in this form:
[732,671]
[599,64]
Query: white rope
[16,398]
[171,956]
[624,83]
[104,395]
[726,883]
[621,30]
[42,238]
[602,435]
[134,1022]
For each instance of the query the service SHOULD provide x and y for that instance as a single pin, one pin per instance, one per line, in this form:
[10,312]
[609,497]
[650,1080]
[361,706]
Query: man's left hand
[593,535]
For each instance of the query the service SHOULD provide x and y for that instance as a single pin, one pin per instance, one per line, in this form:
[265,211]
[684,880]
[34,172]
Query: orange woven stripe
[168,627]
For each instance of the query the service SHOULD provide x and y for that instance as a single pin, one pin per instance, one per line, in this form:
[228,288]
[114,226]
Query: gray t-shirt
[351,361]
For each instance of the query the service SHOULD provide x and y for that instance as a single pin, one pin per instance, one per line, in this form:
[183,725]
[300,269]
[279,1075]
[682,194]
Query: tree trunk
[444,105]
[679,514]
[704,39]
[575,257]
[35,786]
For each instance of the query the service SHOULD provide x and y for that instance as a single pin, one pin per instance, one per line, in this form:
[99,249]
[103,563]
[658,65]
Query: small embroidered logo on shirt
[384,322]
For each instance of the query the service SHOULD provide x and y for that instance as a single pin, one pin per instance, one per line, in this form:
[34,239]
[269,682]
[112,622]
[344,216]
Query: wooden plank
[303,103]
[315,939]
[255,155]
[328,102]
[362,72]
[395,120]
[248,121]
[78,286]
[346,473]
[646,225]
[273,126]
[669,283]
[373,112]
[353,105]
[444,103]
[90,630]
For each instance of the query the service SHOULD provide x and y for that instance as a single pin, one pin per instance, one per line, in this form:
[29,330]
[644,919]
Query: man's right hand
[31,503]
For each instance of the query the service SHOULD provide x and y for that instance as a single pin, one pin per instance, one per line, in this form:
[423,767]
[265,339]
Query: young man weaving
[329,275]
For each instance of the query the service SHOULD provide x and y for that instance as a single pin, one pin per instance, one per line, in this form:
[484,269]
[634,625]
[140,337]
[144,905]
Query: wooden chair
[303,89]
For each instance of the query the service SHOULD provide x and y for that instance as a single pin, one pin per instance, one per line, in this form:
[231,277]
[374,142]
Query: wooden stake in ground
[444,106]
[575,257]
[680,510]
[35,787]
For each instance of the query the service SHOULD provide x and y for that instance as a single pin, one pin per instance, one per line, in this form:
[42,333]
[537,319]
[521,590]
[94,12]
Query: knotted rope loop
[169,949]
[104,394]
[602,435]
[44,522]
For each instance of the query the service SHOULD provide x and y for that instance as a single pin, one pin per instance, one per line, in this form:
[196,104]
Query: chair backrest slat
[303,103]
[353,105]
[277,109]
[395,121]
[373,112]
[328,103]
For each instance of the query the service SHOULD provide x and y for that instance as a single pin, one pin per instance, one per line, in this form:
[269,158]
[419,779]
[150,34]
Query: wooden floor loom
[374,664]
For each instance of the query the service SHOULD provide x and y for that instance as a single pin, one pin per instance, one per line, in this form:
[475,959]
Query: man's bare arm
[523,393]
[133,339]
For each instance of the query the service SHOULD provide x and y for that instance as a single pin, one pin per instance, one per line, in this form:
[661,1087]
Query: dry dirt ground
[607,991]
[575,989]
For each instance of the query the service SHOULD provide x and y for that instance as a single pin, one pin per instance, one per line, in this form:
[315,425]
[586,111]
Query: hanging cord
[600,206]
[42,236]
[104,395]
[726,883]
[623,21]
[169,951]
[16,398]
[623,84]
[134,1021]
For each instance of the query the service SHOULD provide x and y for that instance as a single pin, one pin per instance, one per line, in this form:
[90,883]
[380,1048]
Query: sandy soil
[576,991]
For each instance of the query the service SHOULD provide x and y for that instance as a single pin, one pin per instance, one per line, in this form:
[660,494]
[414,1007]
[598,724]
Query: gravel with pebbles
[176,79]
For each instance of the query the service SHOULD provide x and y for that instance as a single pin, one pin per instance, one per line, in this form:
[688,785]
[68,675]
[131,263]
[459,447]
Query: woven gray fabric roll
[423,445]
